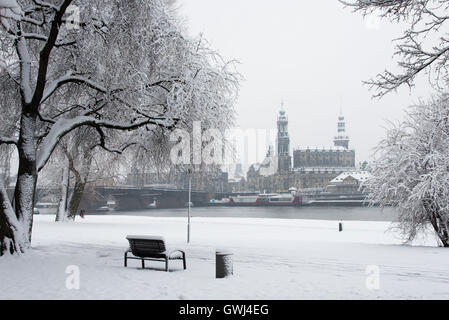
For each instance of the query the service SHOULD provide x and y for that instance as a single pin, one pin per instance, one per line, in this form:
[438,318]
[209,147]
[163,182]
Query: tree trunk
[61,215]
[443,232]
[80,183]
[76,197]
[12,238]
[27,175]
[443,236]
[440,226]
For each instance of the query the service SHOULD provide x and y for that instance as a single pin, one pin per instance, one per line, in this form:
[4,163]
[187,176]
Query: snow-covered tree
[424,46]
[122,66]
[87,163]
[76,163]
[411,170]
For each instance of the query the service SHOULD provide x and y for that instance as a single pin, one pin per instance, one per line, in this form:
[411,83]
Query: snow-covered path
[273,259]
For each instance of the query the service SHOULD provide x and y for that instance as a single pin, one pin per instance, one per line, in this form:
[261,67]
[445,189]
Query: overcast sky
[312,54]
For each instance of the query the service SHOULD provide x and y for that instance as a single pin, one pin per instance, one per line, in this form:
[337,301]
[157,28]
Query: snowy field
[273,259]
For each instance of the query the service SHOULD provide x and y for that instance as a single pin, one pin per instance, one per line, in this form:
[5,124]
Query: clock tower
[283,142]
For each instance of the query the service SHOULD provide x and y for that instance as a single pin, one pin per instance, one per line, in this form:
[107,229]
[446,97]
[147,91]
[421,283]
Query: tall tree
[411,170]
[124,66]
[87,164]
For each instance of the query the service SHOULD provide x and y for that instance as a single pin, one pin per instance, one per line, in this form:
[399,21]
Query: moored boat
[267,199]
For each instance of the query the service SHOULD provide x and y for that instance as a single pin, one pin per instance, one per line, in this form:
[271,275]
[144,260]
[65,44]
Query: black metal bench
[153,249]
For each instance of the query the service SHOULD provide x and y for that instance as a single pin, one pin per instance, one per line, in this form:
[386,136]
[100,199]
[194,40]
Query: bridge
[133,198]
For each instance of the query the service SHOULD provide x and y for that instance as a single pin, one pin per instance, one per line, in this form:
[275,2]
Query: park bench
[153,249]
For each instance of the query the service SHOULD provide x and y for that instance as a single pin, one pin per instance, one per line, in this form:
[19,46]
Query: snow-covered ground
[273,259]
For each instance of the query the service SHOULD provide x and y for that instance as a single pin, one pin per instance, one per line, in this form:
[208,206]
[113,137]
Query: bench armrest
[171,252]
[176,250]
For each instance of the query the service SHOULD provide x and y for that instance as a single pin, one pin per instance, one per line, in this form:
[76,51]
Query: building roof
[334,148]
[360,176]
[268,166]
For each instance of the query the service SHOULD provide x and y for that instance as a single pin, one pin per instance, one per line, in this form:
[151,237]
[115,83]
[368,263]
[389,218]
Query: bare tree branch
[424,47]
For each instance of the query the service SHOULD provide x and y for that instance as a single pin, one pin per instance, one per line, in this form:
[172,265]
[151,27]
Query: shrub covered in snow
[411,171]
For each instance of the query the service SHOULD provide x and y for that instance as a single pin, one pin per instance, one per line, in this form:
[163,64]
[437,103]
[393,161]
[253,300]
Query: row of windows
[323,164]
[323,158]
[324,154]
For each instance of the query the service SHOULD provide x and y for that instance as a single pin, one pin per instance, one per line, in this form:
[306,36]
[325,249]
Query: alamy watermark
[72,281]
[73,18]
[213,147]
[372,281]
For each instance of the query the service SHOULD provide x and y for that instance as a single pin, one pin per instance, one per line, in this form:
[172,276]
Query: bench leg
[143,264]
[126,259]
[166,265]
[184,260]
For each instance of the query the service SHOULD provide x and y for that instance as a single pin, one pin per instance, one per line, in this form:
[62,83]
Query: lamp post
[188,204]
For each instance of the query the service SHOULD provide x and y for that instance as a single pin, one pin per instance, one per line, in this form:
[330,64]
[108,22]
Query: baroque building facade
[339,156]
[323,158]
[312,169]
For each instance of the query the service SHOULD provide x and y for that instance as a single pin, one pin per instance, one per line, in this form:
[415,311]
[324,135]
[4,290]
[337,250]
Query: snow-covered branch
[4,140]
[58,44]
[64,126]
[46,5]
[9,9]
[69,77]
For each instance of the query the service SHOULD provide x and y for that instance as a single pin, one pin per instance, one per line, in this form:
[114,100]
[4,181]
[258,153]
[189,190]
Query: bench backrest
[142,247]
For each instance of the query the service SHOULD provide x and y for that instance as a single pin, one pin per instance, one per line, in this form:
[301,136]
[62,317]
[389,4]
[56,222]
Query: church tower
[283,142]
[341,140]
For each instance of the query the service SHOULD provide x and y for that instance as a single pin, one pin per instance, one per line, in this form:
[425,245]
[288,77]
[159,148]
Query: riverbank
[308,213]
[273,259]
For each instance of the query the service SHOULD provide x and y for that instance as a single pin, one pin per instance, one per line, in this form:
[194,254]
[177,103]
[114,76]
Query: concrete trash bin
[223,264]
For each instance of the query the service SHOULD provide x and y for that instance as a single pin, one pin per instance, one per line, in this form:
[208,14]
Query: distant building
[337,157]
[348,182]
[312,170]
[314,180]
[238,174]
[207,179]
[303,181]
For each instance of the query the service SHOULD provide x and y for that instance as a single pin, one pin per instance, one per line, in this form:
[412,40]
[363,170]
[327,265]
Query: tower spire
[283,141]
[341,139]
[341,105]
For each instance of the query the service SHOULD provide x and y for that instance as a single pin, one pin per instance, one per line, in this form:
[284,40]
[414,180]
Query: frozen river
[318,213]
